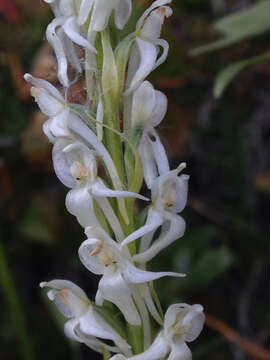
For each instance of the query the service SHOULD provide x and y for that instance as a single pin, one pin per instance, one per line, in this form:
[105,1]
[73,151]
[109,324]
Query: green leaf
[227,75]
[210,265]
[243,24]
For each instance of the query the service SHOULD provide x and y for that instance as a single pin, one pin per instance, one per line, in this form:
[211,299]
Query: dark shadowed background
[225,251]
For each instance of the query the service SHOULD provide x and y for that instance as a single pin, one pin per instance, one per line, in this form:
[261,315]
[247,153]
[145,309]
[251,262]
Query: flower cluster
[103,150]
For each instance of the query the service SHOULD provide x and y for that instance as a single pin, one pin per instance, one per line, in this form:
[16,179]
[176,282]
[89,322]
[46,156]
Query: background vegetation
[225,142]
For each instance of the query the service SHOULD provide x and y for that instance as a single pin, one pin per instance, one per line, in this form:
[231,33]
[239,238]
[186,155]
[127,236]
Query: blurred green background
[226,144]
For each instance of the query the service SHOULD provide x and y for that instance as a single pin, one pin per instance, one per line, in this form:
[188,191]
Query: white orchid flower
[65,26]
[145,56]
[169,197]
[84,324]
[52,104]
[70,16]
[103,256]
[182,323]
[75,165]
[149,107]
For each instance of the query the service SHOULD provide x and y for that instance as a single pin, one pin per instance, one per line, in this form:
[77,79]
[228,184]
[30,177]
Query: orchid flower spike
[169,197]
[182,323]
[149,107]
[75,166]
[103,256]
[52,104]
[84,324]
[145,54]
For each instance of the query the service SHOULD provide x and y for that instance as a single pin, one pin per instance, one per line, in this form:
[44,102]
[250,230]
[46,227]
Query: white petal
[135,275]
[101,13]
[48,104]
[154,220]
[100,190]
[154,5]
[114,289]
[151,29]
[92,324]
[159,152]
[84,11]
[69,330]
[62,163]
[149,164]
[58,48]
[69,298]
[43,84]
[73,331]
[180,352]
[47,131]
[148,56]
[176,230]
[122,13]
[59,124]
[67,8]
[158,350]
[73,32]
[160,109]
[65,284]
[147,296]
[194,321]
[70,50]
[118,357]
[91,262]
[80,204]
[165,48]
[143,104]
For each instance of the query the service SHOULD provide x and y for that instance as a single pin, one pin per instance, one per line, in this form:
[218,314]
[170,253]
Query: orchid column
[103,151]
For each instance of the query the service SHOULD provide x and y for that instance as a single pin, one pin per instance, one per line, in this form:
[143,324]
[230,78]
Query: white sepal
[72,331]
[80,204]
[122,13]
[72,30]
[51,103]
[154,220]
[53,39]
[180,351]
[173,230]
[154,5]
[84,11]
[113,287]
[134,275]
[99,189]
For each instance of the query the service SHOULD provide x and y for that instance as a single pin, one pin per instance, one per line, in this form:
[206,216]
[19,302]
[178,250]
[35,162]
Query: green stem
[15,308]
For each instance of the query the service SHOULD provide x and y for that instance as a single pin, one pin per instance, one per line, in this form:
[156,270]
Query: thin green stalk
[15,307]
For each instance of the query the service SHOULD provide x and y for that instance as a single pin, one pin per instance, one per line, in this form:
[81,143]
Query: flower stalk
[103,151]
